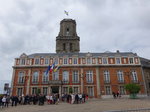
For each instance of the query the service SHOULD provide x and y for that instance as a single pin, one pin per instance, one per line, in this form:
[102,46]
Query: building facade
[96,74]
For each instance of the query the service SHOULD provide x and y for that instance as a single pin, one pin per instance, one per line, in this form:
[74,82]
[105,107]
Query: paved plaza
[94,105]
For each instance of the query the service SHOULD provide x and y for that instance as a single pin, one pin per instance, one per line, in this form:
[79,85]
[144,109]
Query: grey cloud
[32,26]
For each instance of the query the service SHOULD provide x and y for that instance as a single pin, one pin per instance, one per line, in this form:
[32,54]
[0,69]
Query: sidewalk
[93,105]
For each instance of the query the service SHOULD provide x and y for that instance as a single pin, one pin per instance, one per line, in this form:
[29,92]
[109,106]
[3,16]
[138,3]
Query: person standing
[7,101]
[3,101]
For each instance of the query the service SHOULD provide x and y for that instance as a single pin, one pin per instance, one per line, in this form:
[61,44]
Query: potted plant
[133,90]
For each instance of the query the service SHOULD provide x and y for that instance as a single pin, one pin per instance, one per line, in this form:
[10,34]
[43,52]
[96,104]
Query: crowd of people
[40,99]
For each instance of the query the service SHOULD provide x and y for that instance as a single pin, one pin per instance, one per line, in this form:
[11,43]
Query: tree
[133,89]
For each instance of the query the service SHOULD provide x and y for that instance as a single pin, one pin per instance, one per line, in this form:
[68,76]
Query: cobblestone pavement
[95,105]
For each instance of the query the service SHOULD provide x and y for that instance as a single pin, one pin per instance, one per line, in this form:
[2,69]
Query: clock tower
[67,40]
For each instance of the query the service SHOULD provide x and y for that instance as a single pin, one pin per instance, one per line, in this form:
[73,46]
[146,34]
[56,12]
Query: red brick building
[96,74]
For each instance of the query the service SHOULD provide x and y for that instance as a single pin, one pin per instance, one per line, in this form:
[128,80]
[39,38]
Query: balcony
[55,82]
[65,81]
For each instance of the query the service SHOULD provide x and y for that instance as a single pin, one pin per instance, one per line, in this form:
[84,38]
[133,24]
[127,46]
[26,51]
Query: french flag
[52,67]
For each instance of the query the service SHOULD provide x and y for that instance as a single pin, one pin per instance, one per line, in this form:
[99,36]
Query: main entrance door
[55,89]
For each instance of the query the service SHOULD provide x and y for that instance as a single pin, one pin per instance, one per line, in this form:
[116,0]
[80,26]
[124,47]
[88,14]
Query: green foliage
[132,88]
[70,90]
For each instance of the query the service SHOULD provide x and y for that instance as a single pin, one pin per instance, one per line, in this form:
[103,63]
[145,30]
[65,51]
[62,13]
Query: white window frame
[75,60]
[89,76]
[65,61]
[21,77]
[37,61]
[65,76]
[75,76]
[108,90]
[120,76]
[35,79]
[134,76]
[106,76]
[46,61]
[118,60]
[55,75]
[105,60]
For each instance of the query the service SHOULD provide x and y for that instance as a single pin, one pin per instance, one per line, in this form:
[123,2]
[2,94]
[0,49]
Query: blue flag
[48,69]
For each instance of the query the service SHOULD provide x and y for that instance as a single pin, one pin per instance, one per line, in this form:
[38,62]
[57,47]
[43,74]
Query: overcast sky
[31,26]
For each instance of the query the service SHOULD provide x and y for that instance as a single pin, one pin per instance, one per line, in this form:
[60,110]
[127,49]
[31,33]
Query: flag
[57,68]
[48,69]
[67,13]
[52,67]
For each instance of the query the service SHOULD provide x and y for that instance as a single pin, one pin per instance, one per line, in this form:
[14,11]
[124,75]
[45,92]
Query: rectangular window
[75,61]
[104,60]
[90,91]
[134,77]
[19,91]
[21,77]
[75,77]
[118,61]
[88,60]
[65,76]
[120,76]
[22,61]
[45,77]
[55,76]
[107,90]
[56,61]
[35,77]
[45,90]
[46,61]
[65,61]
[122,90]
[36,61]
[131,60]
[65,90]
[89,76]
[75,90]
[106,76]
[34,90]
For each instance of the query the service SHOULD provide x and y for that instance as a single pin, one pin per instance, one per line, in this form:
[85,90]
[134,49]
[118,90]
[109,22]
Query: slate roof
[105,54]
[145,62]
